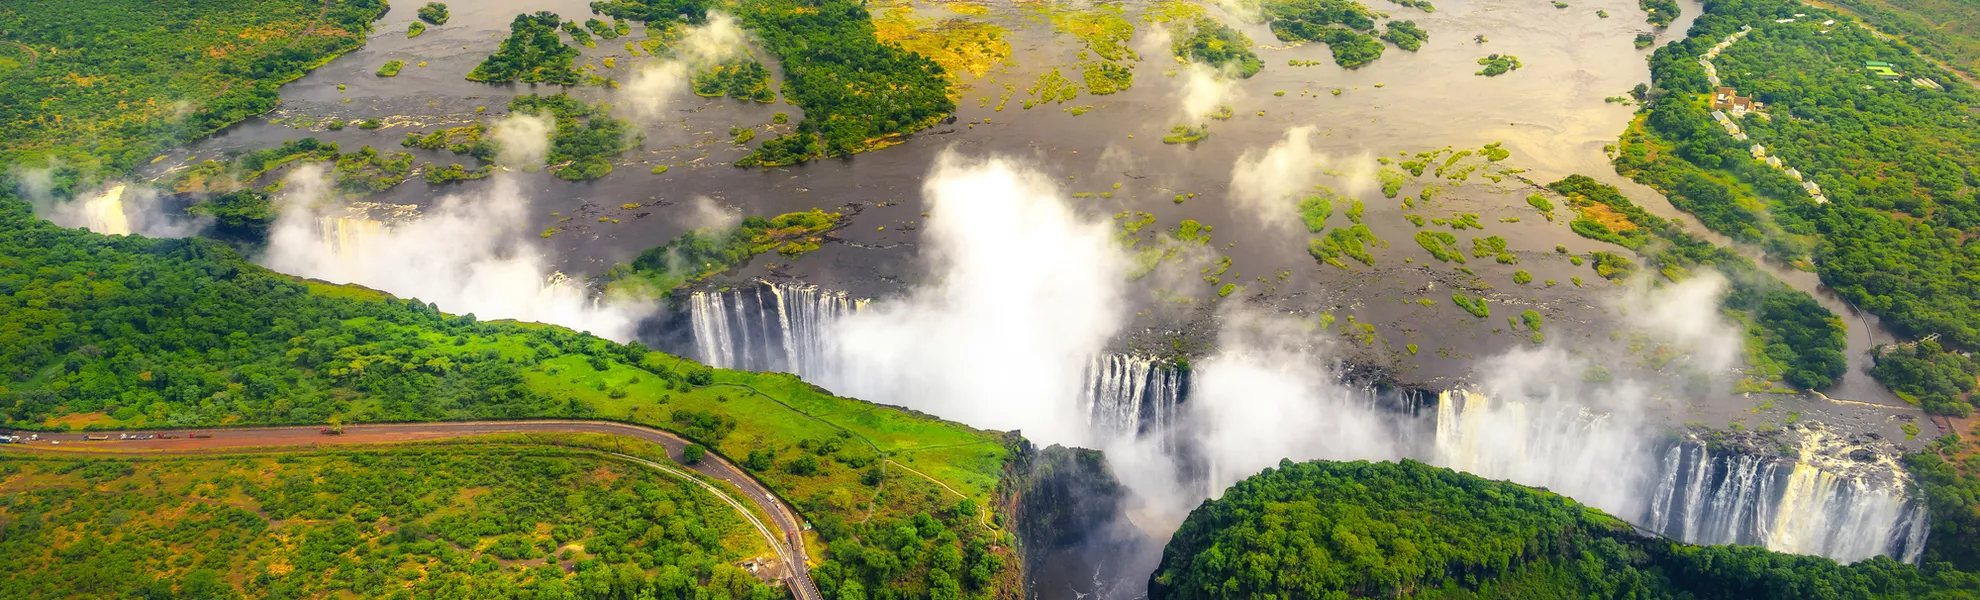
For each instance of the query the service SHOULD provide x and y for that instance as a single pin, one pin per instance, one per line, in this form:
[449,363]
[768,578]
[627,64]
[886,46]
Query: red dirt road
[791,546]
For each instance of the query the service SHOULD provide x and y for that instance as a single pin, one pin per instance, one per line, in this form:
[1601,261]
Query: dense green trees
[1659,12]
[1405,35]
[533,53]
[109,84]
[1347,27]
[185,332]
[428,523]
[1213,43]
[1948,29]
[587,139]
[1926,374]
[1899,163]
[742,79]
[1409,530]
[434,13]
[857,92]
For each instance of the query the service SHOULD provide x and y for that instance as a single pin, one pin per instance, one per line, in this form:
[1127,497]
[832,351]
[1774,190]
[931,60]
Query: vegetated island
[1217,45]
[1410,530]
[1346,26]
[857,93]
[433,13]
[1498,64]
[533,53]
[1186,134]
[699,254]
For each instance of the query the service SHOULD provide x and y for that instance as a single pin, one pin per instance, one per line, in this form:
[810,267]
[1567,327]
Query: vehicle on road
[96,438]
[200,435]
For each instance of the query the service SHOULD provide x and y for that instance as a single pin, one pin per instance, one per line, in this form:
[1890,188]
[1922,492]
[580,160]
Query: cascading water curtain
[765,326]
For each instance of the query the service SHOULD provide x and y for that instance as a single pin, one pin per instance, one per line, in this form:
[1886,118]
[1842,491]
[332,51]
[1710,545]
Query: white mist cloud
[1270,393]
[1202,91]
[1023,292]
[467,255]
[524,140]
[1247,11]
[1686,314]
[1534,422]
[653,86]
[714,41]
[1268,185]
[646,94]
[117,208]
[709,216]
[37,184]
[1156,41]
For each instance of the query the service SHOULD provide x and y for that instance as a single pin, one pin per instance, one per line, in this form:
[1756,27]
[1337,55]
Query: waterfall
[765,326]
[1824,503]
[1131,395]
[1556,445]
[105,214]
[346,236]
[1814,505]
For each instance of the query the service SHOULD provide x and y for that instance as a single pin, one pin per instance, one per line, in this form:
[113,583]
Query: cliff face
[1060,502]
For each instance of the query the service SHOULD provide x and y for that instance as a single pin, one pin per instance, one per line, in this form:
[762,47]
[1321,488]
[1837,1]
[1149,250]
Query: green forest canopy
[1948,29]
[1900,163]
[533,53]
[108,84]
[1409,530]
[460,521]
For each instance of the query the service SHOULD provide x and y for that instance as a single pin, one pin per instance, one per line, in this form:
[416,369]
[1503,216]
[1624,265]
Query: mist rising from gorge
[1021,293]
[465,254]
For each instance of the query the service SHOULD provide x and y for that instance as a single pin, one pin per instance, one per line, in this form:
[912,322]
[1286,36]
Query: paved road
[789,546]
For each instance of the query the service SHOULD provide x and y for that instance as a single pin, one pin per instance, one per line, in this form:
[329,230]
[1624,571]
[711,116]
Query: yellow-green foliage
[1184,134]
[1442,246]
[1104,29]
[1192,232]
[449,509]
[1472,304]
[1314,210]
[114,83]
[1053,87]
[1392,182]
